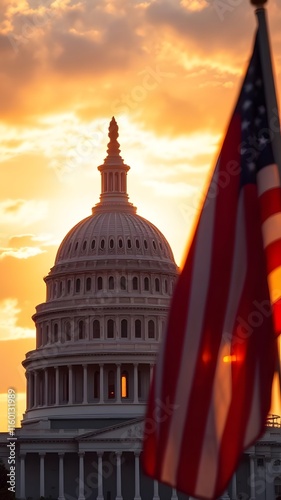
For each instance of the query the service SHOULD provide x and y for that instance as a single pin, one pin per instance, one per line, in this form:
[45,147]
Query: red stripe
[273,256]
[171,365]
[254,348]
[214,316]
[270,203]
[277,316]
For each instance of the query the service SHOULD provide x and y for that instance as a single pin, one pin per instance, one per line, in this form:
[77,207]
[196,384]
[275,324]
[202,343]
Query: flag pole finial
[258,3]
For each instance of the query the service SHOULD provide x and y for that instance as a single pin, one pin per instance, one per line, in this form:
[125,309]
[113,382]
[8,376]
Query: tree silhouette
[5,494]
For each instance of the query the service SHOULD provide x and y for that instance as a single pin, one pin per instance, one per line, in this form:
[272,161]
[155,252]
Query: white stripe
[195,316]
[254,421]
[222,385]
[267,178]
[271,229]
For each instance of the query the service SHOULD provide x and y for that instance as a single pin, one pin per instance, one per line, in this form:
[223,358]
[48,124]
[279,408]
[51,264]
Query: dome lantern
[113,177]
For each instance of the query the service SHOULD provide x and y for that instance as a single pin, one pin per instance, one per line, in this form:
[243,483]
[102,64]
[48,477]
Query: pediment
[131,430]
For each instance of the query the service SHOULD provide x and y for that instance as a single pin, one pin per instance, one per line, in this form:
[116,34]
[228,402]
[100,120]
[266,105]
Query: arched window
[93,244]
[81,330]
[56,332]
[96,384]
[88,284]
[157,285]
[48,334]
[166,286]
[135,283]
[124,328]
[151,329]
[137,243]
[120,243]
[99,283]
[68,286]
[77,285]
[146,284]
[96,329]
[111,243]
[60,289]
[129,243]
[123,283]
[110,329]
[67,331]
[138,329]
[84,245]
[111,385]
[102,244]
[124,384]
[111,283]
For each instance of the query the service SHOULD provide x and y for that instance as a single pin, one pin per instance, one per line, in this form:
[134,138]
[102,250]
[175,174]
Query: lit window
[124,385]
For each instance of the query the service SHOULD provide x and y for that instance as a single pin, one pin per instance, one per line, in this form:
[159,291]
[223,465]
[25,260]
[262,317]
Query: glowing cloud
[9,330]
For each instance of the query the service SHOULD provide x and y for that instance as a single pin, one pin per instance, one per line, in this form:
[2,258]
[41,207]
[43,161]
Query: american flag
[211,389]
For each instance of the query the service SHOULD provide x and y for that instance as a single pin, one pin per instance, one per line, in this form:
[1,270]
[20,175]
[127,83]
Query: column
[155,490]
[136,396]
[81,476]
[118,476]
[22,476]
[234,487]
[42,474]
[118,384]
[85,384]
[70,385]
[57,386]
[35,389]
[101,384]
[100,485]
[137,476]
[46,389]
[252,477]
[61,477]
[174,494]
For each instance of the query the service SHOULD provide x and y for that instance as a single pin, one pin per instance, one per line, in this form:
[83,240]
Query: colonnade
[88,383]
[82,481]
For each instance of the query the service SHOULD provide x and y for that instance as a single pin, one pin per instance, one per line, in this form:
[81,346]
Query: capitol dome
[108,293]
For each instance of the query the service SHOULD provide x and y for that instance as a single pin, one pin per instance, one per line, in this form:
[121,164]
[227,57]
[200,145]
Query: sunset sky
[168,70]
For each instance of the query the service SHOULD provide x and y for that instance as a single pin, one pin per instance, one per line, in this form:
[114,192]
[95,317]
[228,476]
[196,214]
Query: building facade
[97,336]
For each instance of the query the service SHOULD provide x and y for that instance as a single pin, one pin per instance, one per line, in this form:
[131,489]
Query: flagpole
[270,94]
[271,100]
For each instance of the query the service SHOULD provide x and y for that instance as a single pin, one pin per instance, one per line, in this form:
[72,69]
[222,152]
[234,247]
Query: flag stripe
[222,388]
[201,271]
[210,336]
[271,229]
[268,178]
